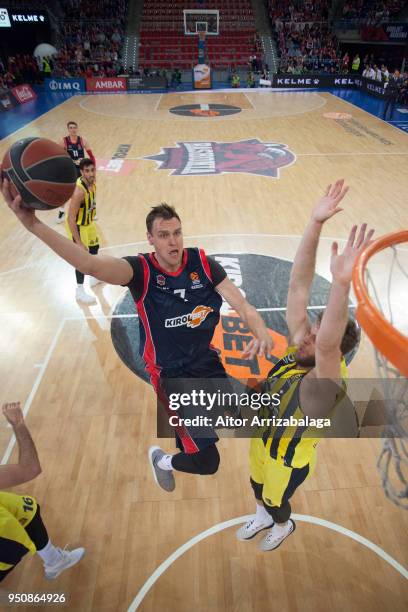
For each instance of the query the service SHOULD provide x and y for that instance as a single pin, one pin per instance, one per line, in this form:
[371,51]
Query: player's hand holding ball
[25,215]
[41,172]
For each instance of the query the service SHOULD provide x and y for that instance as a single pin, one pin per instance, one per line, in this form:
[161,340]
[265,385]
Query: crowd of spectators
[305,47]
[371,12]
[19,69]
[91,38]
[304,39]
[92,10]
[89,42]
[298,10]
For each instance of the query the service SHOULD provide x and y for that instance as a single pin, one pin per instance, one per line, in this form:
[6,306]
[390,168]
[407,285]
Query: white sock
[80,286]
[281,529]
[49,554]
[262,515]
[165,462]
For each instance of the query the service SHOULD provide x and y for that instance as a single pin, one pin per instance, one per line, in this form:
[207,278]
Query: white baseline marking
[43,366]
[16,269]
[35,386]
[243,519]
[36,119]
[238,117]
[158,102]
[249,100]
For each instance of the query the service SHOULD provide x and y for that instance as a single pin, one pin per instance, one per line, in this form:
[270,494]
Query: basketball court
[243,170]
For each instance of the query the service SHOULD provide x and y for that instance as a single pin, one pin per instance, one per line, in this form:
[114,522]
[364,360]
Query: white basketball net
[390,297]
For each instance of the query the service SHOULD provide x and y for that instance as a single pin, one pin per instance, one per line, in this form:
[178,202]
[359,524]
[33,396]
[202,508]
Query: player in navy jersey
[178,293]
[75,146]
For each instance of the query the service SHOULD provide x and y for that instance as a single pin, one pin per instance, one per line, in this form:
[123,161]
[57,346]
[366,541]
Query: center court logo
[117,164]
[205,110]
[208,158]
[193,319]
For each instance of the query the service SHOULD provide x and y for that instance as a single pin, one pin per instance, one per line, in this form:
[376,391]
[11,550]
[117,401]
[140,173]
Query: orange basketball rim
[386,338]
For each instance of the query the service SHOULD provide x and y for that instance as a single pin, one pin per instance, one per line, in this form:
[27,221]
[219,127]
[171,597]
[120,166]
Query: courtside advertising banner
[4,18]
[23,93]
[106,84]
[202,76]
[10,18]
[65,85]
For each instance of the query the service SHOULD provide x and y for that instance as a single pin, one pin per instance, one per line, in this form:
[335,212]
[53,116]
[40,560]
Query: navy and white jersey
[178,310]
[75,150]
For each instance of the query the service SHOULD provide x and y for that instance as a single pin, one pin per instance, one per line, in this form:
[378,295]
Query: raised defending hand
[341,265]
[328,205]
[13,414]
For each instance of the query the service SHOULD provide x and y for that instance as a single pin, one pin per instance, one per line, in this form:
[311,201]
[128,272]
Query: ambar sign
[106,84]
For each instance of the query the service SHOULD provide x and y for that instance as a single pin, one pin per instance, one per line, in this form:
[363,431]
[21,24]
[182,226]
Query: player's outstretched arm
[108,269]
[262,343]
[318,395]
[303,268]
[334,320]
[28,466]
[89,151]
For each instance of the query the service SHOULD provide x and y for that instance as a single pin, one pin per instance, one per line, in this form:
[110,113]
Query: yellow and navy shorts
[88,234]
[16,513]
[279,480]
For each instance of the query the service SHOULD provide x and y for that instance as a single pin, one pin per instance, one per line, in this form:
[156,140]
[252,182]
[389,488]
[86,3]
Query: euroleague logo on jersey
[208,158]
[192,319]
[197,284]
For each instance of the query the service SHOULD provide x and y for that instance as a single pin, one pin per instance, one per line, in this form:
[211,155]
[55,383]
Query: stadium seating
[164,44]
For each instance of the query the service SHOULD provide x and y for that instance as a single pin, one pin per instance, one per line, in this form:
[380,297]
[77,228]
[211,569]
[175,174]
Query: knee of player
[212,467]
[209,461]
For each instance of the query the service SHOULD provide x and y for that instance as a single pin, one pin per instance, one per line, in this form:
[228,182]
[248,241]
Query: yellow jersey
[294,445]
[87,210]
[16,512]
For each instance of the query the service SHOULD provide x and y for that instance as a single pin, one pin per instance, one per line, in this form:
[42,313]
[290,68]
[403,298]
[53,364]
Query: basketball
[41,172]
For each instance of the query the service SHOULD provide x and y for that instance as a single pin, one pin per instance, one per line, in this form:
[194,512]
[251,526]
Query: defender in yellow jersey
[309,378]
[22,530]
[80,224]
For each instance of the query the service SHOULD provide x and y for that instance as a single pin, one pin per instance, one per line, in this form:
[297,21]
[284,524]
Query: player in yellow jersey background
[309,377]
[80,224]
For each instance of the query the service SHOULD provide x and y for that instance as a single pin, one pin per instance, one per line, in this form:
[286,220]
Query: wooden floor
[93,420]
